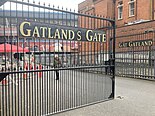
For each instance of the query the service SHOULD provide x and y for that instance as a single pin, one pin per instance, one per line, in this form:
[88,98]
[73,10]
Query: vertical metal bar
[113,75]
[144,51]
[16,101]
[18,91]
[23,87]
[63,72]
[70,71]
[42,72]
[28,92]
[97,57]
[100,62]
[88,63]
[33,103]
[4,96]
[59,56]
[48,72]
[35,77]
[13,77]
[80,98]
[62,65]
[85,63]
[54,109]
[66,71]
[72,22]
[37,67]
[153,51]
[150,58]
[95,61]
[91,57]
[11,68]
[75,58]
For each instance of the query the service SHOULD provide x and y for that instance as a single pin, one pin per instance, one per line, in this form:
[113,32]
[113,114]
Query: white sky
[69,4]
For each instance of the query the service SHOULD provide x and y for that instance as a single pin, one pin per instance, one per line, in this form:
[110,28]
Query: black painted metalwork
[135,52]
[53,60]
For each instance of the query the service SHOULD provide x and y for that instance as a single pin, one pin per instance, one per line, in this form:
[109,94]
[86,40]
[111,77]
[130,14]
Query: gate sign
[35,29]
[139,43]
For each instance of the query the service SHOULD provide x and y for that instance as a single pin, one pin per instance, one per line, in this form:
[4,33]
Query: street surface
[43,95]
[134,97]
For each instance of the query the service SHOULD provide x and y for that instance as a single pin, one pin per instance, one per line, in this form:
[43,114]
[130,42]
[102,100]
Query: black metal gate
[136,55]
[52,60]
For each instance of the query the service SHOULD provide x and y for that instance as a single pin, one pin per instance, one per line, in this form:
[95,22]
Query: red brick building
[135,34]
[100,7]
[132,16]
[126,12]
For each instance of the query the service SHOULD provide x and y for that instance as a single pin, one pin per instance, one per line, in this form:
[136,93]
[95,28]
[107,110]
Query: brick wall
[135,28]
[99,7]
[142,11]
[85,6]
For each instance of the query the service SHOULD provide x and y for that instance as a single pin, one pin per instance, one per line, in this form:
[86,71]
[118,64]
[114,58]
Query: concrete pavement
[134,97]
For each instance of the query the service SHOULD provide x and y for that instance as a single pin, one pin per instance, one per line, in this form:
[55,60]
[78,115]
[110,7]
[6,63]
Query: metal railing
[43,74]
[135,56]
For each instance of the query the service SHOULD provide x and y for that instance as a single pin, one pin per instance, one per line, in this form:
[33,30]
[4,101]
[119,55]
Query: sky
[69,4]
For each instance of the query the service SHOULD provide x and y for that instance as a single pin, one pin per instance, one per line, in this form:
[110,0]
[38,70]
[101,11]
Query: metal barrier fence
[135,56]
[47,55]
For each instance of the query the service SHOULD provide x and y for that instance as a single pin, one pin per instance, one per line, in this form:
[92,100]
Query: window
[120,10]
[131,8]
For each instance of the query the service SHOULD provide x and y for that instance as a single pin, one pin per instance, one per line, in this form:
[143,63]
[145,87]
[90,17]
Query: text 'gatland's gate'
[35,29]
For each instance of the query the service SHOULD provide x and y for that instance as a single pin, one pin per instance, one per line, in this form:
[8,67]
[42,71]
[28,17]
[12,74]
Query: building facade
[126,12]
[130,12]
[132,16]
[135,34]
[99,7]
